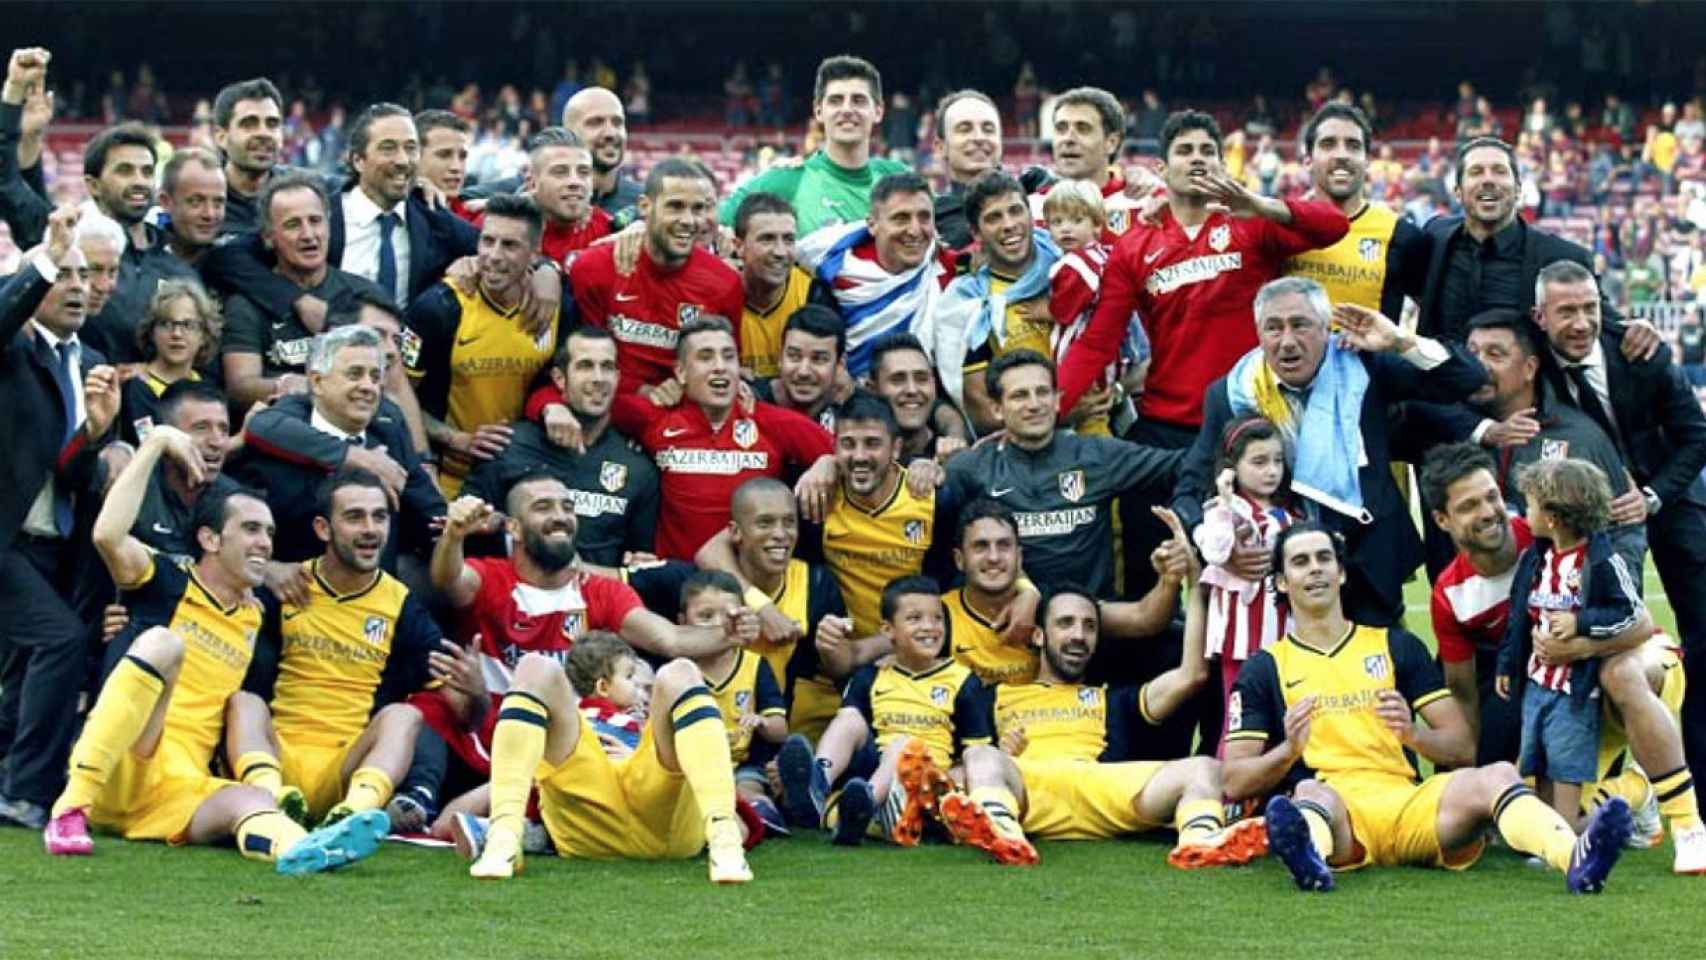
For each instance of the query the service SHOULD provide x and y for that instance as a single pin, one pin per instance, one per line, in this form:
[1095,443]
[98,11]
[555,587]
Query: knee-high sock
[369,788]
[266,834]
[702,750]
[259,768]
[1533,827]
[1320,827]
[1677,803]
[518,744]
[1198,818]
[120,715]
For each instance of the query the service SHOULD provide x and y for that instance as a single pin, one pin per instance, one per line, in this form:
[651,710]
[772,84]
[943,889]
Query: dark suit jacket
[1663,429]
[34,420]
[240,263]
[1387,550]
[1539,248]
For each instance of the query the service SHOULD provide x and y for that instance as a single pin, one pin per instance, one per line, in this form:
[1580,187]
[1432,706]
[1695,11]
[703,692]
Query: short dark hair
[344,477]
[759,486]
[514,206]
[895,343]
[817,320]
[953,98]
[594,657]
[895,184]
[905,587]
[225,103]
[1237,436]
[671,168]
[1333,110]
[1506,318]
[364,297]
[181,158]
[585,331]
[704,323]
[866,407]
[361,127]
[1066,588]
[1300,528]
[1107,107]
[1180,121]
[759,202]
[212,509]
[984,508]
[986,189]
[122,135]
[186,391]
[1448,463]
[703,581]
[294,180]
[998,368]
[429,120]
[536,474]
[845,67]
[1476,144]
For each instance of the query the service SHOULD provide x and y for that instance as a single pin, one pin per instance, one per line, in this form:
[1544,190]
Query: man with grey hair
[1650,411]
[1329,394]
[344,419]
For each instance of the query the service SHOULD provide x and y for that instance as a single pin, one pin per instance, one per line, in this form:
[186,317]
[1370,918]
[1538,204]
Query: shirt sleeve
[767,692]
[1133,466]
[1314,224]
[974,713]
[1415,673]
[641,521]
[632,414]
[282,435]
[406,669]
[587,283]
[1612,604]
[1256,709]
[799,438]
[244,328]
[858,693]
[608,603]
[1454,644]
[1120,719]
[434,317]
[1069,293]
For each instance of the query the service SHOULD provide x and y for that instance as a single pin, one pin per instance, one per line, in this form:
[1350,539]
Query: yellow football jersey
[1017,333]
[219,643]
[1068,721]
[344,655]
[793,599]
[946,706]
[1354,269]
[867,549]
[1346,735]
[761,330]
[975,643]
[748,687]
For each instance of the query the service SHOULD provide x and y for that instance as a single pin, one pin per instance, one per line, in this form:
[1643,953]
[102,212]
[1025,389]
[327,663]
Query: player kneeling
[878,768]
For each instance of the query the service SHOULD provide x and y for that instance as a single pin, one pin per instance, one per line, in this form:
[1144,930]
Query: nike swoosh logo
[673,432]
[625,297]
[290,613]
[280,326]
[1292,683]
[1000,491]
[463,343]
[1150,257]
[162,528]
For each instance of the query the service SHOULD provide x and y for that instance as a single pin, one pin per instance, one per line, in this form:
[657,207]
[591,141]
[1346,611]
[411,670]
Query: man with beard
[812,365]
[263,355]
[199,411]
[1383,258]
[1326,719]
[833,185]
[248,127]
[968,139]
[527,610]
[444,156]
[339,735]
[192,201]
[615,487]
[1643,678]
[708,444]
[344,419]
[478,356]
[765,236]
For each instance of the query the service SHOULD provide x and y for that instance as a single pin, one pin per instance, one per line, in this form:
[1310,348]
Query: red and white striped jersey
[1243,621]
[1557,589]
[1470,610]
[1074,282]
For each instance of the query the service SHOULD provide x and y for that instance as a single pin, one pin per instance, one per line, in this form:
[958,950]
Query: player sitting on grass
[922,707]
[746,690]
[1328,713]
[346,659]
[1063,772]
[140,767]
[1570,582]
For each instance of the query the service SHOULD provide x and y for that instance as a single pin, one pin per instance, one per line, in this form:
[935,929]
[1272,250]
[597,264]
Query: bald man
[595,115]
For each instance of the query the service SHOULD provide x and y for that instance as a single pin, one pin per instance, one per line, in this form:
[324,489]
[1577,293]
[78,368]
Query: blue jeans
[1560,736]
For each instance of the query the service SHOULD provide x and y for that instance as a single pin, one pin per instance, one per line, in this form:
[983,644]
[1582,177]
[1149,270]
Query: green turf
[812,900]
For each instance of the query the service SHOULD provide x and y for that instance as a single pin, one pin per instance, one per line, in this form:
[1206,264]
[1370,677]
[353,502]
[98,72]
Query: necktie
[62,512]
[387,275]
[1588,399]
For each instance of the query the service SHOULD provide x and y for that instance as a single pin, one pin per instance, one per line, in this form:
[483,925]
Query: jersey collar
[1350,629]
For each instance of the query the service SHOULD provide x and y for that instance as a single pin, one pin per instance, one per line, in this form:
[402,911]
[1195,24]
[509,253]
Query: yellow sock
[1320,827]
[1533,827]
[702,749]
[266,834]
[518,744]
[114,725]
[1198,818]
[369,788]
[999,801]
[259,768]
[1675,791]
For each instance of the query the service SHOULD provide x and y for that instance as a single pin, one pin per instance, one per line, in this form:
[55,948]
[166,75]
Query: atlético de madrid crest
[746,432]
[612,476]
[1220,238]
[1072,485]
[1375,666]
[1368,249]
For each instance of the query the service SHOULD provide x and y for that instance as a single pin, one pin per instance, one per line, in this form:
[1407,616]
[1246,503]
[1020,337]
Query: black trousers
[43,651]
[1677,539]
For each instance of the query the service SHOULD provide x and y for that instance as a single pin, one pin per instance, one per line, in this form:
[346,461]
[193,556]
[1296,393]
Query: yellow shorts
[597,808]
[1082,800]
[1396,822]
[155,798]
[815,704]
[315,769]
[1613,740]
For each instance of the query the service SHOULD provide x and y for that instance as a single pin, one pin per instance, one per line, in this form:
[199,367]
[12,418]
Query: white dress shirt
[39,521]
[361,241]
[323,425]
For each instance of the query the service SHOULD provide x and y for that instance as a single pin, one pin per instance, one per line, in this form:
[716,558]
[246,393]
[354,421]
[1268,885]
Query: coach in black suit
[1292,318]
[60,401]
[1651,412]
[381,227]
